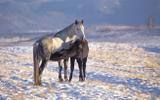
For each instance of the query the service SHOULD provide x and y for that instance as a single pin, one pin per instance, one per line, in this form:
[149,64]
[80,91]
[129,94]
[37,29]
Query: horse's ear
[82,21]
[76,22]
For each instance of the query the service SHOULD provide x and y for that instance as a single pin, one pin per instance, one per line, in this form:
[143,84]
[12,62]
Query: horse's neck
[65,33]
[61,35]
[67,36]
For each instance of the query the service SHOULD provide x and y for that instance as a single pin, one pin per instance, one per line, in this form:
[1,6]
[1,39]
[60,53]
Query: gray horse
[48,45]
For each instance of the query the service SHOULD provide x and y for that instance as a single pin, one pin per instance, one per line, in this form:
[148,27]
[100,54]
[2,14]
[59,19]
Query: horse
[78,51]
[48,45]
[63,56]
[81,57]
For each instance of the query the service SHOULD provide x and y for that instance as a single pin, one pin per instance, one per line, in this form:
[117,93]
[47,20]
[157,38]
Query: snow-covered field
[124,71]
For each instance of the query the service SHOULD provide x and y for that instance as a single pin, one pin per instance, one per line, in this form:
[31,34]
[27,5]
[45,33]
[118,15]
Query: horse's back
[51,44]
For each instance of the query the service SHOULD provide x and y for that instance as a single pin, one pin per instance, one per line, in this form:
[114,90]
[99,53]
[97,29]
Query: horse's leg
[84,67]
[65,69]
[60,69]
[79,61]
[72,60]
[43,65]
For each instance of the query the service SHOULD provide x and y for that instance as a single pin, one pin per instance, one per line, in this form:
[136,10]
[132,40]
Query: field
[121,65]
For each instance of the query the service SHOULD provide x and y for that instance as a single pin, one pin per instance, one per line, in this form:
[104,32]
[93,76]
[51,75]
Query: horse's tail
[36,61]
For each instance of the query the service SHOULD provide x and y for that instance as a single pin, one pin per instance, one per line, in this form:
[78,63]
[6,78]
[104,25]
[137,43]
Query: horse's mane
[63,31]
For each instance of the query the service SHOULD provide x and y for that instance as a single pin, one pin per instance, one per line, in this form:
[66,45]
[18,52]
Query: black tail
[36,60]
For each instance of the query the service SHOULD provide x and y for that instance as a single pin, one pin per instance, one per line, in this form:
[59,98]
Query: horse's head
[79,29]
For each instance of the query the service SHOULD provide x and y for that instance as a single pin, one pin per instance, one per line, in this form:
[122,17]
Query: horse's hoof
[69,80]
[37,84]
[66,80]
[81,79]
[60,80]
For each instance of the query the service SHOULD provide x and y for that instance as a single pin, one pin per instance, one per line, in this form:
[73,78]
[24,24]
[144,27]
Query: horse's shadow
[7,84]
[134,84]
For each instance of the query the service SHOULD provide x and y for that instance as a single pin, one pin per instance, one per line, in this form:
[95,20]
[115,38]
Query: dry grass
[123,54]
[153,61]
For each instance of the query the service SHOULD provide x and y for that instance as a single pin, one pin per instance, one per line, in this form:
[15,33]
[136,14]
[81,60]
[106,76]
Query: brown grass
[123,54]
[153,61]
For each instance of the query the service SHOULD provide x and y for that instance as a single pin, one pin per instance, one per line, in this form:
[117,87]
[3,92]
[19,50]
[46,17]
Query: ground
[114,71]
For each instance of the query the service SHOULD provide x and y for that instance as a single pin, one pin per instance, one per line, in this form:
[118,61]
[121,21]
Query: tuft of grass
[19,96]
[153,61]
[153,65]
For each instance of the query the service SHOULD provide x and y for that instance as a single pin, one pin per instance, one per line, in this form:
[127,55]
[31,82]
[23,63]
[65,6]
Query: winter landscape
[124,49]
[122,64]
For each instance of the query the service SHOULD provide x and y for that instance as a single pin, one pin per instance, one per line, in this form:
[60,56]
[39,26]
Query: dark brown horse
[62,58]
[78,51]
[81,57]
